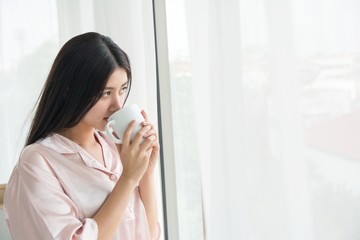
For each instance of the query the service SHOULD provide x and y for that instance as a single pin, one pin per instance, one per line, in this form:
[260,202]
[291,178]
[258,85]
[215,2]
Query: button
[113,177]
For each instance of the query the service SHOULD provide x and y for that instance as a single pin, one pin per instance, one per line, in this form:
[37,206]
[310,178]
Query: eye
[106,93]
[123,90]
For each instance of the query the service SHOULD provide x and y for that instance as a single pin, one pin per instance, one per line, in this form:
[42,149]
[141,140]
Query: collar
[64,145]
[60,144]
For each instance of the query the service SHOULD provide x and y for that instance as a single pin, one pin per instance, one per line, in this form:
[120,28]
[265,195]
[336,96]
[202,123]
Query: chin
[100,127]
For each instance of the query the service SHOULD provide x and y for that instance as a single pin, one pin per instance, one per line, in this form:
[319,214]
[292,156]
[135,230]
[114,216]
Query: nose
[116,104]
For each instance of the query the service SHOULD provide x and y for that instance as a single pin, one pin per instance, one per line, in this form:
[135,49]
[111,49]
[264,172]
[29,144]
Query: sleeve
[38,208]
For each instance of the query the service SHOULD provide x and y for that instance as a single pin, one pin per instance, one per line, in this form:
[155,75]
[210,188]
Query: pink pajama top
[57,187]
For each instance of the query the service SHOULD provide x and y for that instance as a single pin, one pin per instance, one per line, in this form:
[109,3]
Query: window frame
[165,123]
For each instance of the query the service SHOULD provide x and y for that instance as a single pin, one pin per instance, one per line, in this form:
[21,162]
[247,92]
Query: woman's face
[112,99]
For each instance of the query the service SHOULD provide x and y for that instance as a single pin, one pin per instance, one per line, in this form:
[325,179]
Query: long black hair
[75,83]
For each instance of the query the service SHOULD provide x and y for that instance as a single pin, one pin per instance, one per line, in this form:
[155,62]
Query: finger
[149,124]
[155,145]
[145,115]
[119,147]
[147,143]
[145,123]
[127,133]
[148,152]
[150,132]
[140,134]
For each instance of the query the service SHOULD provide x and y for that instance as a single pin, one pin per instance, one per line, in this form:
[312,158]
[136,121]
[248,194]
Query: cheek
[122,99]
[97,111]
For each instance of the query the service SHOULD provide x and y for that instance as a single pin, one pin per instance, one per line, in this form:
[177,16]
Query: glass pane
[188,178]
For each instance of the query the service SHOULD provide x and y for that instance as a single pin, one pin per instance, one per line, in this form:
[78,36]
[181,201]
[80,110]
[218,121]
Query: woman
[71,181]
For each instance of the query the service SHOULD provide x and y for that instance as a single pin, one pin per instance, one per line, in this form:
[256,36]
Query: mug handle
[110,134]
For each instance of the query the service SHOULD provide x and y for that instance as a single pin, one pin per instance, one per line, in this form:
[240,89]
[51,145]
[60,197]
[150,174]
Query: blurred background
[265,105]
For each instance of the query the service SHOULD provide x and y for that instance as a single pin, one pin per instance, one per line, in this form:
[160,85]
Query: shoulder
[33,151]
[34,156]
[32,165]
[46,153]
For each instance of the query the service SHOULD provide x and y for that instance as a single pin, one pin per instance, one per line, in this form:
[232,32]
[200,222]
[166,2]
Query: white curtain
[266,97]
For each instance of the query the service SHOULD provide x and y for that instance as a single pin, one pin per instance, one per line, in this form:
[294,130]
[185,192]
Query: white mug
[120,120]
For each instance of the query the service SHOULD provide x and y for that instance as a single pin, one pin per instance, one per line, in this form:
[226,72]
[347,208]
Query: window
[28,45]
[264,107]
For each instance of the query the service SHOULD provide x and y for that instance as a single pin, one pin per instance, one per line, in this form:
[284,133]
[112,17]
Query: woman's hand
[136,154]
[155,147]
[147,187]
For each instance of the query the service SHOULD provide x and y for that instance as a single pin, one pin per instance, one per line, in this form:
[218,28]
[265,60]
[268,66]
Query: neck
[79,135]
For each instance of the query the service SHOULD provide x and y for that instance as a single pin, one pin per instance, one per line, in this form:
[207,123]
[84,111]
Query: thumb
[119,147]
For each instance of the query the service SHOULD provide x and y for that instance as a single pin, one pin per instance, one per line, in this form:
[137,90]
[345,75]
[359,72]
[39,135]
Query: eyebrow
[113,87]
